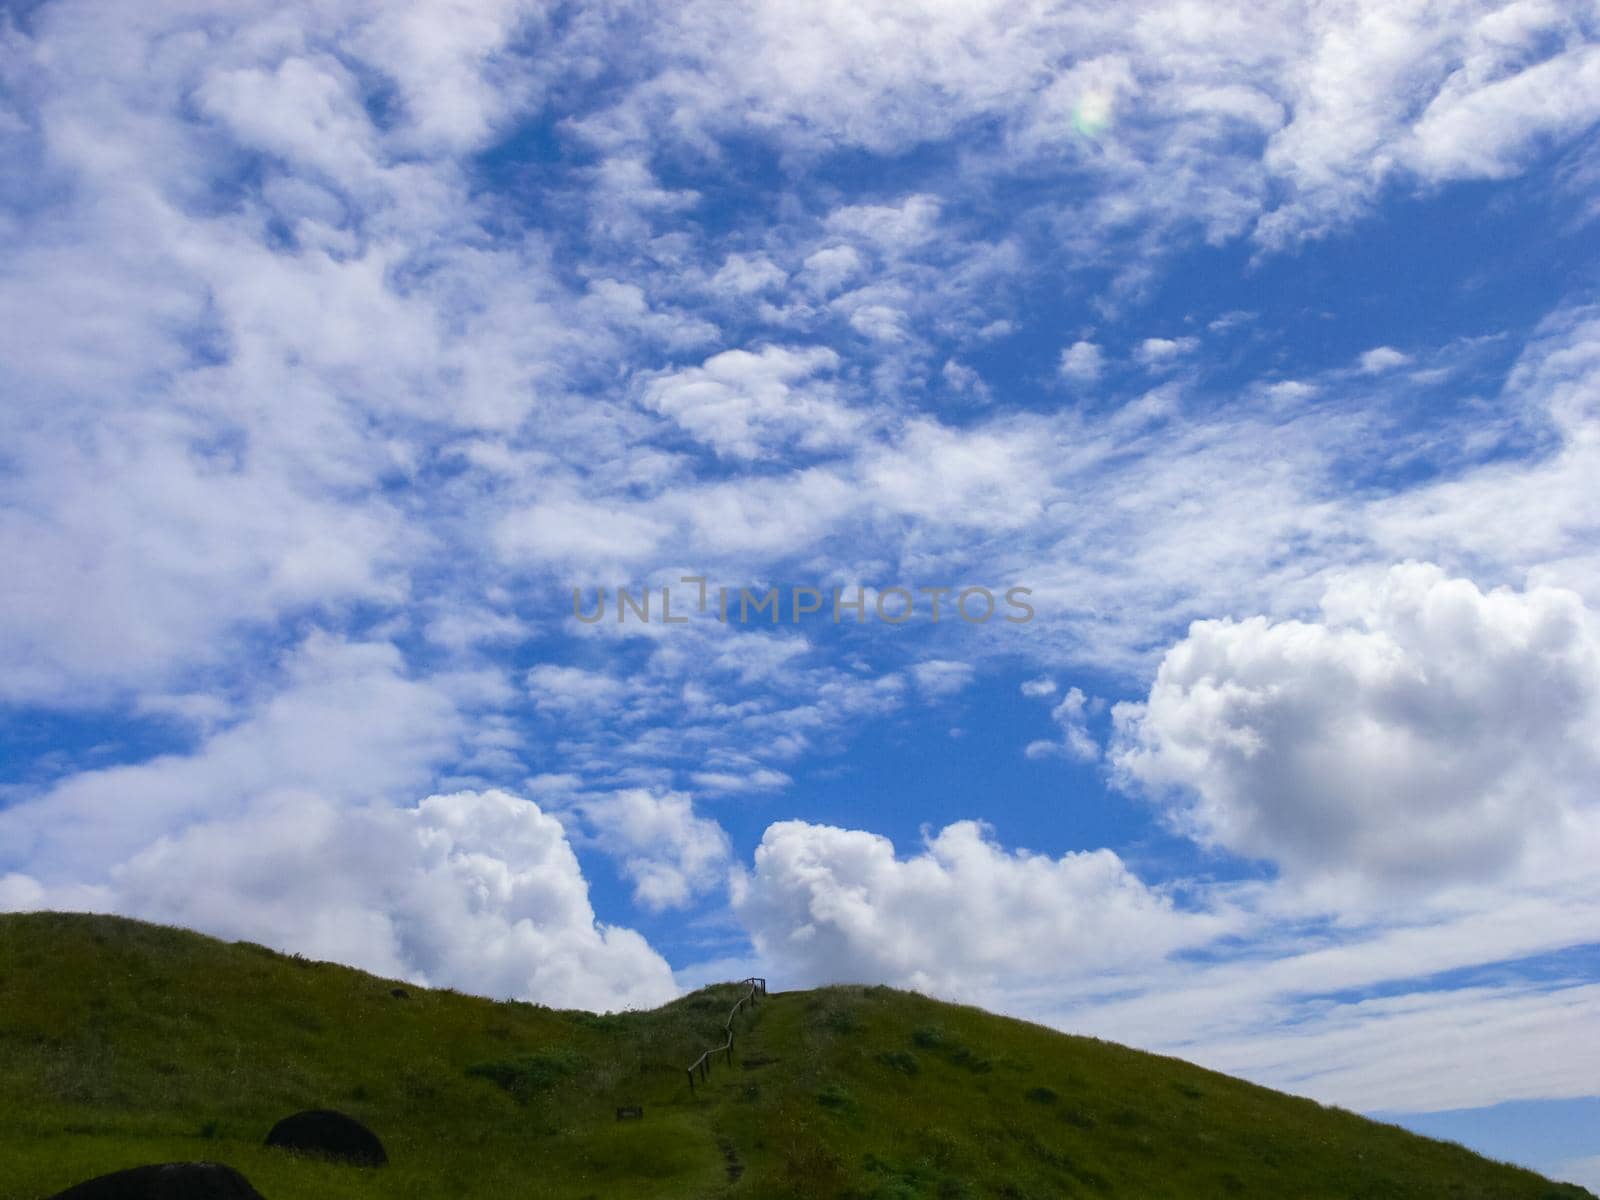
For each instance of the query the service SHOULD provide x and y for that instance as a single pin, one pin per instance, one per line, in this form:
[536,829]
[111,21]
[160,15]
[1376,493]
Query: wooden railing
[702,1065]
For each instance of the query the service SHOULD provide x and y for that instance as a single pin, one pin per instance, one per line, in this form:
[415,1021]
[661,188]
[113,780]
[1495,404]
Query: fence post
[757,988]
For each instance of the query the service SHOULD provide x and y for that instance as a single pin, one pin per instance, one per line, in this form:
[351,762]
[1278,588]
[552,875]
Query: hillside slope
[123,1043]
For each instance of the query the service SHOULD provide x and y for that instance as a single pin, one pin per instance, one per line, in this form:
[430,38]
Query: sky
[351,354]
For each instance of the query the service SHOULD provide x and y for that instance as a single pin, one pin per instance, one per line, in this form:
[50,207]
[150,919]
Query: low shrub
[527,1075]
[902,1061]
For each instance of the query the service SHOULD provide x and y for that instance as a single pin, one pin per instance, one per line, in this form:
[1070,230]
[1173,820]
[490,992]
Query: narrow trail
[701,1067]
[743,1057]
[735,1166]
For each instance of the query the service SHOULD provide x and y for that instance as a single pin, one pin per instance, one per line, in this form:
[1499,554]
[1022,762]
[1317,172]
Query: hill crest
[123,1043]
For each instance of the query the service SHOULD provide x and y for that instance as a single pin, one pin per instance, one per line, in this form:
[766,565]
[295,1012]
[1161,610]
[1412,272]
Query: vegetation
[123,1043]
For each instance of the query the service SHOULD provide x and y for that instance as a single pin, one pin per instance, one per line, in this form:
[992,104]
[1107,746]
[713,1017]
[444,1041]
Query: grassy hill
[123,1043]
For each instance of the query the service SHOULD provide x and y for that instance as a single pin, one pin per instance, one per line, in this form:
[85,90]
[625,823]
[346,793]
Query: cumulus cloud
[479,891]
[669,851]
[294,825]
[1421,731]
[1156,352]
[1081,362]
[1380,359]
[834,904]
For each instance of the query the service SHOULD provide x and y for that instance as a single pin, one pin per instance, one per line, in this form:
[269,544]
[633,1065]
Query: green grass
[123,1043]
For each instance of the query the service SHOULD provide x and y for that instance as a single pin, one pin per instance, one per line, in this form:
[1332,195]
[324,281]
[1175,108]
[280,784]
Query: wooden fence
[702,1065]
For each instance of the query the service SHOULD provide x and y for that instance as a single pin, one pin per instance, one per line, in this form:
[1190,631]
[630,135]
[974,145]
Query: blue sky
[341,342]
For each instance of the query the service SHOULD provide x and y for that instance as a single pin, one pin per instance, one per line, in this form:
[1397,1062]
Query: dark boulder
[166,1181]
[330,1135]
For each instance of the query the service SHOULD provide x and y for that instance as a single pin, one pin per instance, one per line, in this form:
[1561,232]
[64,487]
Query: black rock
[166,1181]
[400,993]
[330,1135]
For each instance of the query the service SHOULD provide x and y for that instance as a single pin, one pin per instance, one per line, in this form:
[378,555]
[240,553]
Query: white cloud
[307,111]
[1290,391]
[1406,1052]
[830,268]
[571,529]
[143,556]
[451,67]
[965,381]
[293,826]
[743,274]
[1385,90]
[1352,1010]
[834,904]
[1231,320]
[1380,359]
[1347,1010]
[1484,128]
[1072,715]
[21,893]
[1081,362]
[1157,352]
[281,829]
[1422,732]
[478,891]
[881,322]
[942,677]
[1289,121]
[573,688]
[345,721]
[758,779]
[992,478]
[669,852]
[1535,514]
[892,227]
[1040,688]
[748,405]
[466,627]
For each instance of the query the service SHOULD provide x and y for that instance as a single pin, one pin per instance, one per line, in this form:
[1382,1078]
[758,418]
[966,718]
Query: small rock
[166,1181]
[330,1135]
[400,993]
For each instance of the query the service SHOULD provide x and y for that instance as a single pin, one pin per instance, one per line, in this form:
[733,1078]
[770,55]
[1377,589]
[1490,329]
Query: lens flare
[1092,114]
